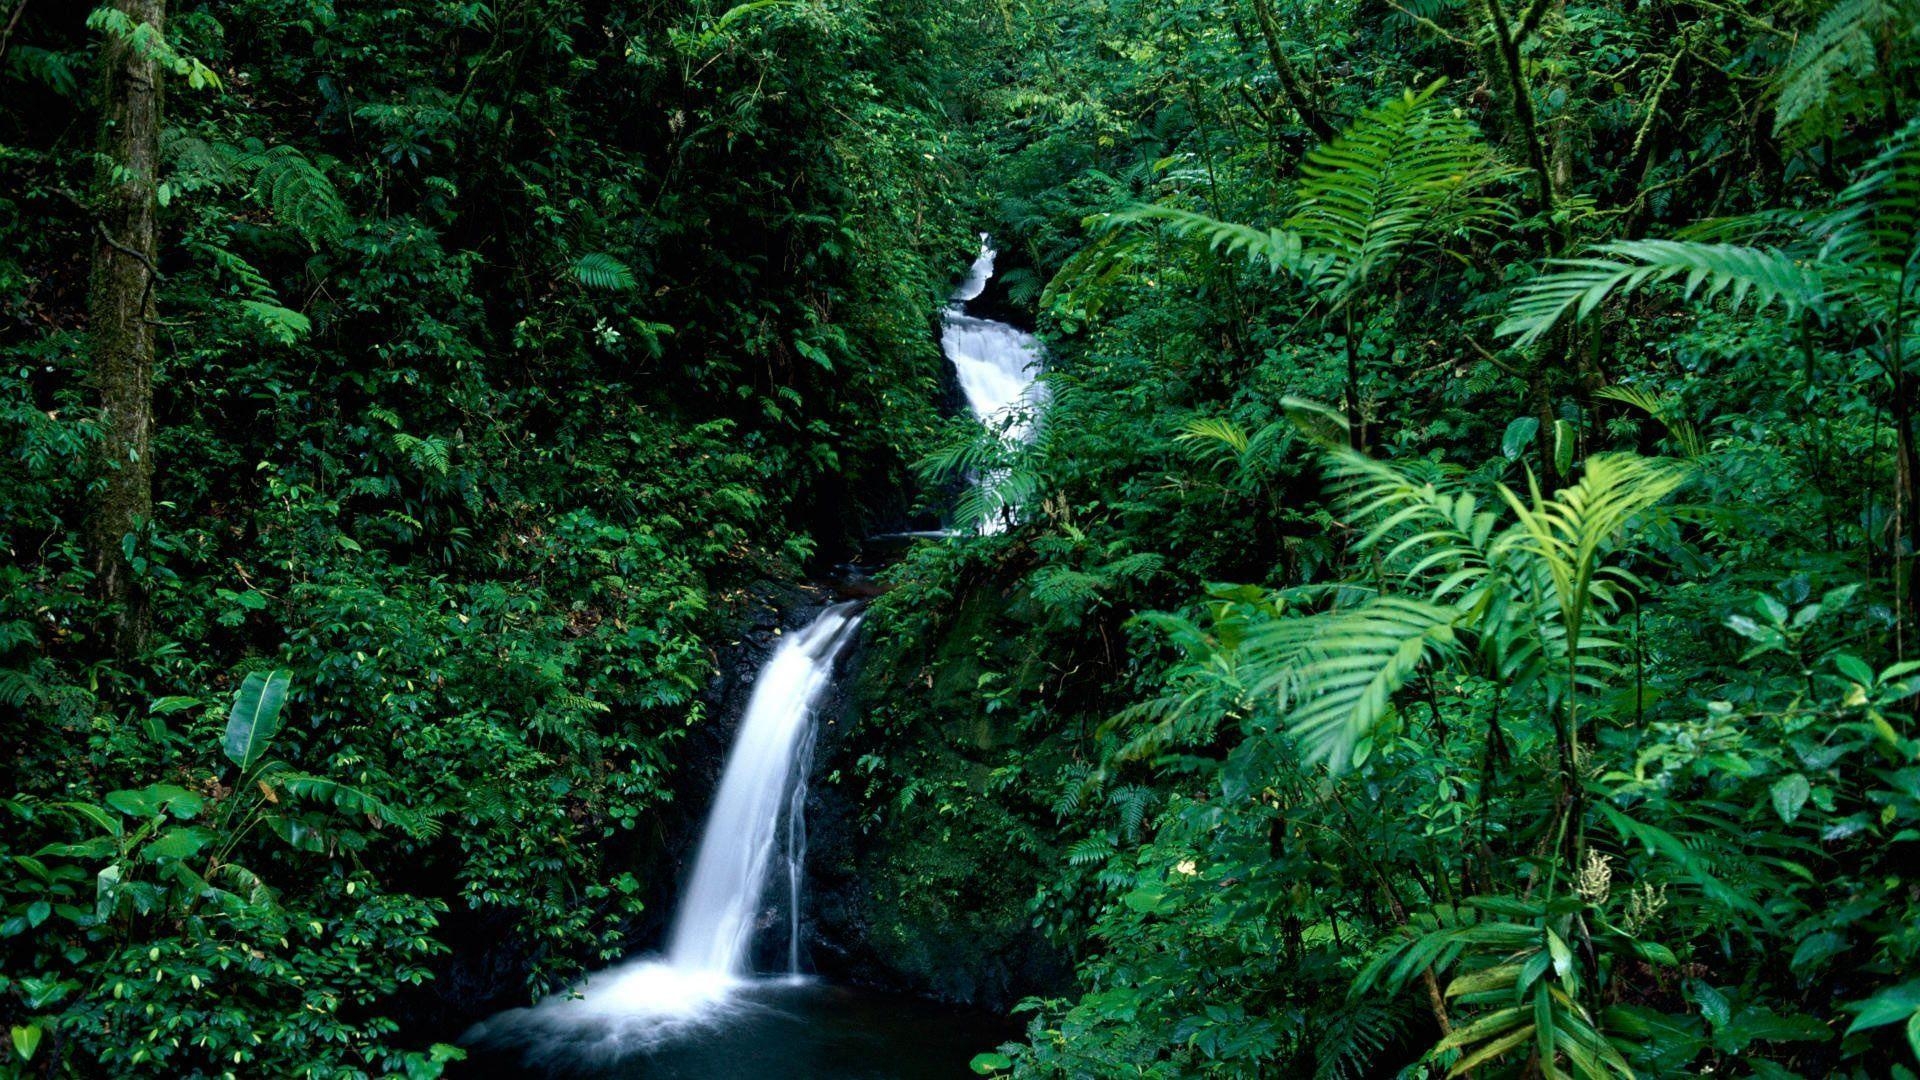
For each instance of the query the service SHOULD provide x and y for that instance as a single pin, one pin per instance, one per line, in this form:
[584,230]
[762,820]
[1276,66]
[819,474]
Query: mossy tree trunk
[121,313]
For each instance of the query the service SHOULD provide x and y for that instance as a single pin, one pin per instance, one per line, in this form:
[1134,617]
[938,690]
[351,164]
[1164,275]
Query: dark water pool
[805,1031]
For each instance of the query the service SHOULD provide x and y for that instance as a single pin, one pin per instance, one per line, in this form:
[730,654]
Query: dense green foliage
[503,348]
[1540,703]
[1459,616]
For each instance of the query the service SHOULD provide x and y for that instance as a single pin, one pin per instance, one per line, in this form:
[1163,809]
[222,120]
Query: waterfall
[766,771]
[761,801]
[978,274]
[994,363]
[700,996]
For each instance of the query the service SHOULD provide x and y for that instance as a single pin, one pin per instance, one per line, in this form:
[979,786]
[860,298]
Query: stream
[698,1009]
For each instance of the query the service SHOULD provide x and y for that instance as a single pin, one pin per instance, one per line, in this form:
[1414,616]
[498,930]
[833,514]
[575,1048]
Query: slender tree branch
[13,21]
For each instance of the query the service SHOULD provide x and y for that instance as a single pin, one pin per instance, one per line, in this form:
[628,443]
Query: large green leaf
[1336,672]
[26,1040]
[155,799]
[181,843]
[256,715]
[1889,1006]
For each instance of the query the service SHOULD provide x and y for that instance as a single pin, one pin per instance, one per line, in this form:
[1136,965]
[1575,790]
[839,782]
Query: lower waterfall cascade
[757,815]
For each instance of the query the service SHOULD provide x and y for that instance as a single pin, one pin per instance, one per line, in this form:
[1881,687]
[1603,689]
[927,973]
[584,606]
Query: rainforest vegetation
[1455,614]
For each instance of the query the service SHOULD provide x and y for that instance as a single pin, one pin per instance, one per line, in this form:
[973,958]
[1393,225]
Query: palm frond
[1661,409]
[1204,430]
[1402,171]
[1335,673]
[1354,1037]
[353,800]
[1874,232]
[1444,531]
[1279,249]
[1569,532]
[1579,286]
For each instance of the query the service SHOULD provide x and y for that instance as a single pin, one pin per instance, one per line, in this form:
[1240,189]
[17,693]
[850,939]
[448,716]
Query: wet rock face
[911,900]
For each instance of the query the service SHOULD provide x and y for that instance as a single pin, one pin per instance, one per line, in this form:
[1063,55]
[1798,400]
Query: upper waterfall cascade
[994,363]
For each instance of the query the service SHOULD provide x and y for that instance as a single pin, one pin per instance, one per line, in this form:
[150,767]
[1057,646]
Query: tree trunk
[121,316]
[1297,94]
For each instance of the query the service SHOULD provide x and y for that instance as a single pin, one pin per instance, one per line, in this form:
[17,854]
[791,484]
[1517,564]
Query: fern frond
[1579,286]
[1060,587]
[283,324]
[1843,47]
[1091,850]
[598,270]
[1078,783]
[431,453]
[297,191]
[1133,801]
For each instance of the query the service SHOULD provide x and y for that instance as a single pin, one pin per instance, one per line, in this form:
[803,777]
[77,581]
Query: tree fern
[1404,171]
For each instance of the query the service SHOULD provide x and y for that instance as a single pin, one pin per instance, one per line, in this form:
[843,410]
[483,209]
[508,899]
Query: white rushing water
[994,363]
[761,802]
[763,787]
